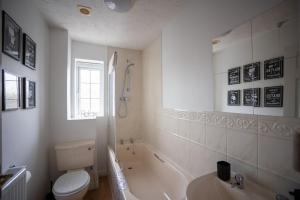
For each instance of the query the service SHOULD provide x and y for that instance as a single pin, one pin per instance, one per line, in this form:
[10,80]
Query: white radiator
[15,187]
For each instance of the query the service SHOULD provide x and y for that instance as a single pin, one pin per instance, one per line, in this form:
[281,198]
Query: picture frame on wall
[10,91]
[273,96]
[251,97]
[251,72]
[29,93]
[234,76]
[234,98]
[11,37]
[29,52]
[274,68]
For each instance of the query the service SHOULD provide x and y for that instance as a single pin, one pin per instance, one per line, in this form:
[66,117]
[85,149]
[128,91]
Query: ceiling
[134,29]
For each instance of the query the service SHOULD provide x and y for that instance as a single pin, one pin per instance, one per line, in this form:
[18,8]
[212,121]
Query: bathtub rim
[112,158]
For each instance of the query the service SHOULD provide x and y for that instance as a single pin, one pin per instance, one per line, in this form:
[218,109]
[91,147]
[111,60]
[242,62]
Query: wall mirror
[255,65]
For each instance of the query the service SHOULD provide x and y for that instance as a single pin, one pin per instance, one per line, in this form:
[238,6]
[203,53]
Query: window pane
[84,106]
[90,87]
[84,76]
[95,76]
[95,91]
[84,90]
[95,105]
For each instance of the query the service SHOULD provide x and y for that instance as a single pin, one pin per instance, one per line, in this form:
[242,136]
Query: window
[89,88]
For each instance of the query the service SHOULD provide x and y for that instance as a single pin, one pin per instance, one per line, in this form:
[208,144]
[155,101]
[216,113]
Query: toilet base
[77,196]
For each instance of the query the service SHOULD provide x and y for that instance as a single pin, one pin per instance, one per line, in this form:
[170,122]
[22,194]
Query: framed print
[273,68]
[273,96]
[251,97]
[233,98]
[29,51]
[10,91]
[234,76]
[11,37]
[251,72]
[29,93]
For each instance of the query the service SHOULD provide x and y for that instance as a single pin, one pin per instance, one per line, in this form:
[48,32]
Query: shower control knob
[123,98]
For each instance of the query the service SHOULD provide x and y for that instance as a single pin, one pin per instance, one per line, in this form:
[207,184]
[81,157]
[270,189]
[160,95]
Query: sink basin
[210,187]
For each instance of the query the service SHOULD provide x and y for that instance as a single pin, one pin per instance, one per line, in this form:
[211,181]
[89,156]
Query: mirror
[255,65]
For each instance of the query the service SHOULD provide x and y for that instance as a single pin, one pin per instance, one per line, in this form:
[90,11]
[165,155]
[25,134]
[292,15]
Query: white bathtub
[142,173]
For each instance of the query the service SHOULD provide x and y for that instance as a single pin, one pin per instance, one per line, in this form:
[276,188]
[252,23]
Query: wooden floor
[102,193]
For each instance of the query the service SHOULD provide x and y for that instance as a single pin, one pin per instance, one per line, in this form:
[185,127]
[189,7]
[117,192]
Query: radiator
[15,187]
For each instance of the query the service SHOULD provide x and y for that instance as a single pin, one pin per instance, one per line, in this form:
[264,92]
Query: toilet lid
[71,182]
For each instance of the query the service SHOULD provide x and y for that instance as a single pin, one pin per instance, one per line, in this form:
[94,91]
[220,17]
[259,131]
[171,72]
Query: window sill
[81,119]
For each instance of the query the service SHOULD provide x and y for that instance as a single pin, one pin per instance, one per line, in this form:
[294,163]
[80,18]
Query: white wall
[62,129]
[152,90]
[25,132]
[186,49]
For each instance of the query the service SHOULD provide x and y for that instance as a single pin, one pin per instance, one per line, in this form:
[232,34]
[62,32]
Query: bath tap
[131,140]
[132,143]
[239,181]
[121,141]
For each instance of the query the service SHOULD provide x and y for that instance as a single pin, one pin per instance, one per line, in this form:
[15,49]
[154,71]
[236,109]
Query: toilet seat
[71,183]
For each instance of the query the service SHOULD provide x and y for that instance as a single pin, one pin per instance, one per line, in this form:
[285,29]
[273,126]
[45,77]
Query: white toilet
[73,157]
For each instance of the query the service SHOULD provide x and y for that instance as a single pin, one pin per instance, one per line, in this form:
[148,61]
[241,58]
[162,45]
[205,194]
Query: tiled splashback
[259,147]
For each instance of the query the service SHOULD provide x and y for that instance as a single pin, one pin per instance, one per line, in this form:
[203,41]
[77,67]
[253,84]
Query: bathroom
[167,102]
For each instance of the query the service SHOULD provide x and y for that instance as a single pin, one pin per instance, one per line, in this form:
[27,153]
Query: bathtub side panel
[117,192]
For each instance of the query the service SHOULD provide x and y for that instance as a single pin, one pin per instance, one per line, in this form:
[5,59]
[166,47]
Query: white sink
[210,187]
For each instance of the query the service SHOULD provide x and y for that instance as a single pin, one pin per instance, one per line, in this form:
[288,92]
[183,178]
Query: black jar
[223,170]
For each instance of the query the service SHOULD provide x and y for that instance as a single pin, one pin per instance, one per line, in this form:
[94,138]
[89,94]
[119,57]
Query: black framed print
[234,76]
[251,72]
[10,91]
[29,93]
[273,96]
[251,97]
[29,52]
[233,98]
[11,37]
[273,68]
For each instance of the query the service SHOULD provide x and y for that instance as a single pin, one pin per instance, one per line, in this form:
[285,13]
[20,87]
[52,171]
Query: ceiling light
[119,5]
[84,10]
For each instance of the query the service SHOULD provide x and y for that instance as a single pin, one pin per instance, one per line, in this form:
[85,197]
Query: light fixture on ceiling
[119,5]
[84,10]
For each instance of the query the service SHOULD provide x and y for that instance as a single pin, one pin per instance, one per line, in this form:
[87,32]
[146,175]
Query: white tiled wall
[261,148]
[128,127]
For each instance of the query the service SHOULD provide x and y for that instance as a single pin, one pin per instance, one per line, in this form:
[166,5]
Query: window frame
[77,98]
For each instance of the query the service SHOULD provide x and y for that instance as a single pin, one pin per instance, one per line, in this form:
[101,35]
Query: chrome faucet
[131,140]
[281,197]
[239,181]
